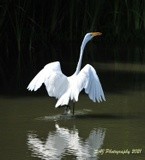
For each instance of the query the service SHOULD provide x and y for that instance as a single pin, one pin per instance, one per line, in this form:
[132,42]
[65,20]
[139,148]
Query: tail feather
[63,100]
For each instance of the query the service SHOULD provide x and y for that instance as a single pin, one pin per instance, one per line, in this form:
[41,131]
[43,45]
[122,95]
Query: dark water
[31,128]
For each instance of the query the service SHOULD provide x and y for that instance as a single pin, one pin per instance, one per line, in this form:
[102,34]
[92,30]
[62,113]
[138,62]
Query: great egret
[65,88]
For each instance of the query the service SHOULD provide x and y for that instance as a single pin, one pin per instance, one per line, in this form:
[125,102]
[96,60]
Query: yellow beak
[96,34]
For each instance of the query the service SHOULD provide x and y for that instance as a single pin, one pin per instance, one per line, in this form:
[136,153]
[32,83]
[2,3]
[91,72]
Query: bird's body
[65,88]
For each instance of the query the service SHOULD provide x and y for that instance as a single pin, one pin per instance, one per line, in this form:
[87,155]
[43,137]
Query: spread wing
[55,81]
[88,79]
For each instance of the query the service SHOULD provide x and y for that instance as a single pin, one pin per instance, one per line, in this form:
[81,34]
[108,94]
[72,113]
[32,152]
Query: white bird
[67,89]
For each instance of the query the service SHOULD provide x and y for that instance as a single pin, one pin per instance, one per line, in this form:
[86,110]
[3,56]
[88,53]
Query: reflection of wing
[64,140]
[51,149]
[40,149]
[88,79]
[55,81]
[95,141]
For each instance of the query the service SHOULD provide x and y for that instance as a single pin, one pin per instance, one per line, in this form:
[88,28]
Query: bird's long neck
[81,56]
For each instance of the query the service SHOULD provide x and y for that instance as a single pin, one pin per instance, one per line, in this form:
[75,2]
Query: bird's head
[90,35]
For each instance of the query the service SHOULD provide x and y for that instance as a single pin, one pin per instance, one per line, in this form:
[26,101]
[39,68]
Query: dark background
[36,32]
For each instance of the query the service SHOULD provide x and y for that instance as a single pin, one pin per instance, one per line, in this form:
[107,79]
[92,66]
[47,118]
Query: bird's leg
[73,111]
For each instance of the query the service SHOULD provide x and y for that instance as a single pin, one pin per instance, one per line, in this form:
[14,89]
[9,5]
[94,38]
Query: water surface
[31,128]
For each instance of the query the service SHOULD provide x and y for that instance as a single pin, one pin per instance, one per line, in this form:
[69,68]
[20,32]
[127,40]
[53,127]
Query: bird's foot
[67,110]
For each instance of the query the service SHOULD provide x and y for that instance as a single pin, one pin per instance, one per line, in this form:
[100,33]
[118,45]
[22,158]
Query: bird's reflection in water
[65,142]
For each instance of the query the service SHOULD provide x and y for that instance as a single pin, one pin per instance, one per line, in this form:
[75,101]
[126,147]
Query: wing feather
[55,81]
[88,79]
[37,81]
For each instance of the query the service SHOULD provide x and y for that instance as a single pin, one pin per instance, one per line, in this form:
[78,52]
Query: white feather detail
[88,79]
[55,81]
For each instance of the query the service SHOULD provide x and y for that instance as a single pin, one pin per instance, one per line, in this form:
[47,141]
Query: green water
[31,128]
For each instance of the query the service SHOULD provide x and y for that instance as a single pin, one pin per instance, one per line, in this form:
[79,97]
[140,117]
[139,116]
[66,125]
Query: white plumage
[66,88]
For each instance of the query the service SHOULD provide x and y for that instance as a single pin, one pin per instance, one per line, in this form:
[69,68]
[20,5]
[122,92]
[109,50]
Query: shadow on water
[83,116]
[107,117]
